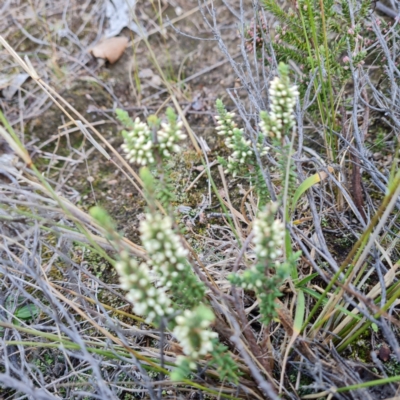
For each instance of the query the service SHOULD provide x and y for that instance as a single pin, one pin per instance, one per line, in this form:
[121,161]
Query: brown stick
[356,174]
[357,186]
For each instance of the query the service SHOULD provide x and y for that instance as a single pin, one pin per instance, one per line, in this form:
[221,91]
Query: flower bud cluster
[268,273]
[241,155]
[138,144]
[149,301]
[168,256]
[255,34]
[269,234]
[242,152]
[168,136]
[168,259]
[194,334]
[268,239]
[280,119]
[226,126]
[141,144]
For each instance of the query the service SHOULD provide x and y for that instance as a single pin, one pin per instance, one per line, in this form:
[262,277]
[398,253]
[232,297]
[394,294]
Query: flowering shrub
[255,34]
[268,273]
[280,119]
[268,234]
[138,144]
[168,258]
[144,141]
[274,125]
[149,301]
[170,134]
[313,36]
[278,125]
[242,151]
[265,276]
[193,333]
[166,284]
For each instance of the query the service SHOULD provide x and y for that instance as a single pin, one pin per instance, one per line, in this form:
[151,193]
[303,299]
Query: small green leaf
[312,292]
[102,217]
[374,327]
[153,121]
[26,312]
[310,181]
[300,311]
[124,118]
[304,281]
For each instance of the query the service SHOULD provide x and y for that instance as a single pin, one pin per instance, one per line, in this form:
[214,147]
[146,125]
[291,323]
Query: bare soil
[95,88]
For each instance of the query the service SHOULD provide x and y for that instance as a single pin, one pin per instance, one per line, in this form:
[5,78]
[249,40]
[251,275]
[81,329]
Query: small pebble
[377,156]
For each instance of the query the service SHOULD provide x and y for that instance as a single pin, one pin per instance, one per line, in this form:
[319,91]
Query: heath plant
[321,39]
[152,144]
[168,275]
[275,137]
[269,272]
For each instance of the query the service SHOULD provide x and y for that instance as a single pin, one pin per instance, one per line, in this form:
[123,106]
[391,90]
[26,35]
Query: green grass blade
[303,282]
[300,312]
[310,181]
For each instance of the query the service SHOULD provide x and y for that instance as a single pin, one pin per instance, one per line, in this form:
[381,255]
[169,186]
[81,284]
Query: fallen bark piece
[110,49]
